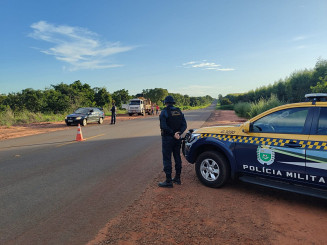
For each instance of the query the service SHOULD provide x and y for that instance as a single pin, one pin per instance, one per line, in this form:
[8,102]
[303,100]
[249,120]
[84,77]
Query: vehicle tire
[68,124]
[130,114]
[212,169]
[84,122]
[100,120]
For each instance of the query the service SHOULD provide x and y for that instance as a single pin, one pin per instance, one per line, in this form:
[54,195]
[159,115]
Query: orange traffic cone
[79,136]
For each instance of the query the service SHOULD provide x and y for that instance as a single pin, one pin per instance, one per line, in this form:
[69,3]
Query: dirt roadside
[236,214]
[194,214]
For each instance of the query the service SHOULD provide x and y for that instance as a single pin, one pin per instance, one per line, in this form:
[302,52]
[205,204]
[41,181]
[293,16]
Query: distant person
[113,114]
[172,125]
[152,110]
[157,110]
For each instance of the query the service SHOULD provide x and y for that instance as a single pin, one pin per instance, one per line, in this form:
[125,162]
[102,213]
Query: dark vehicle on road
[84,116]
[283,148]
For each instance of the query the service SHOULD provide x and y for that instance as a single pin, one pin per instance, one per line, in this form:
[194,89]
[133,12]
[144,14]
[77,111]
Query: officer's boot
[167,183]
[177,179]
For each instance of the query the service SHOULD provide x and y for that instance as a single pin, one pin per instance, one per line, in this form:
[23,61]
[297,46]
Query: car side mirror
[246,127]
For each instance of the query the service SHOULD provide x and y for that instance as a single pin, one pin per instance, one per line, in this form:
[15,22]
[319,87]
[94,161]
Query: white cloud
[79,47]
[189,63]
[206,66]
[226,69]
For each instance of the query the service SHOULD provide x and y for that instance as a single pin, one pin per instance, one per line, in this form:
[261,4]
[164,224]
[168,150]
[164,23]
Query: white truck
[140,106]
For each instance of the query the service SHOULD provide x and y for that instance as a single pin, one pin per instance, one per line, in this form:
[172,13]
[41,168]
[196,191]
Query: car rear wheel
[100,120]
[212,169]
[84,122]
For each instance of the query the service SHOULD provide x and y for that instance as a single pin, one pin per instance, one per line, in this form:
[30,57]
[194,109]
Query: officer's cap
[169,100]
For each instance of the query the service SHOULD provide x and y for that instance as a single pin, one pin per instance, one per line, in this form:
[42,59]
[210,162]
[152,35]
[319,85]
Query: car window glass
[289,121]
[322,124]
[81,111]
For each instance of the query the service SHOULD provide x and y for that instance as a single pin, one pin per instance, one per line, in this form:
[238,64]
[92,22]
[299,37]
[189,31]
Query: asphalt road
[54,190]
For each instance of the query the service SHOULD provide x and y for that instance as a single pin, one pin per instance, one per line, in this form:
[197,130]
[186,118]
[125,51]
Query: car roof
[89,108]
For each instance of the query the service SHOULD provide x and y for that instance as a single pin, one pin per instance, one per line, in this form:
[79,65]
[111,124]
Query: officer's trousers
[113,118]
[171,146]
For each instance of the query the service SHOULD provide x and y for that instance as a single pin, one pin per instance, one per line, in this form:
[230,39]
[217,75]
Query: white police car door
[316,164]
[275,145]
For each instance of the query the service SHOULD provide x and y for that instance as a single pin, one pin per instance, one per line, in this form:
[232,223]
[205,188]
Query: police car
[284,148]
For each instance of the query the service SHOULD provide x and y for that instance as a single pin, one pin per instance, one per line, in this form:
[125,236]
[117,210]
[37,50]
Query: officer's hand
[177,136]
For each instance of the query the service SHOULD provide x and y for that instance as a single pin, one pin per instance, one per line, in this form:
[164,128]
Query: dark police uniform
[113,114]
[172,120]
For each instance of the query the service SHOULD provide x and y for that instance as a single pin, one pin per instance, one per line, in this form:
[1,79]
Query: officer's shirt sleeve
[163,123]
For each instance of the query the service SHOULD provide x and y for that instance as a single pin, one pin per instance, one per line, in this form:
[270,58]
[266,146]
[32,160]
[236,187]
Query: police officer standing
[172,125]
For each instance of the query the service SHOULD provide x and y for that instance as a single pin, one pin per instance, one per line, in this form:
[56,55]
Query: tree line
[62,98]
[157,96]
[289,90]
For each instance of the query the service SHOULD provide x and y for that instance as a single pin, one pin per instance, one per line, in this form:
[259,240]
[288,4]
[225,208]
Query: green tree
[78,94]
[102,97]
[186,100]
[3,107]
[33,99]
[156,95]
[220,97]
[225,101]
[320,69]
[321,86]
[121,97]
[179,99]
[299,85]
[14,101]
[56,102]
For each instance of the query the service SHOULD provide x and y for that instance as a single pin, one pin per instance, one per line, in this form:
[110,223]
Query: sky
[194,47]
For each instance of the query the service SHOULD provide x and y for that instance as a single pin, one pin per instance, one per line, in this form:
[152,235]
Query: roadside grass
[9,118]
[263,105]
[108,113]
[242,109]
[249,110]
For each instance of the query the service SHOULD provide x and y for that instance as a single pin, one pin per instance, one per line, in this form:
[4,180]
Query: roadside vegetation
[290,90]
[249,110]
[54,103]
